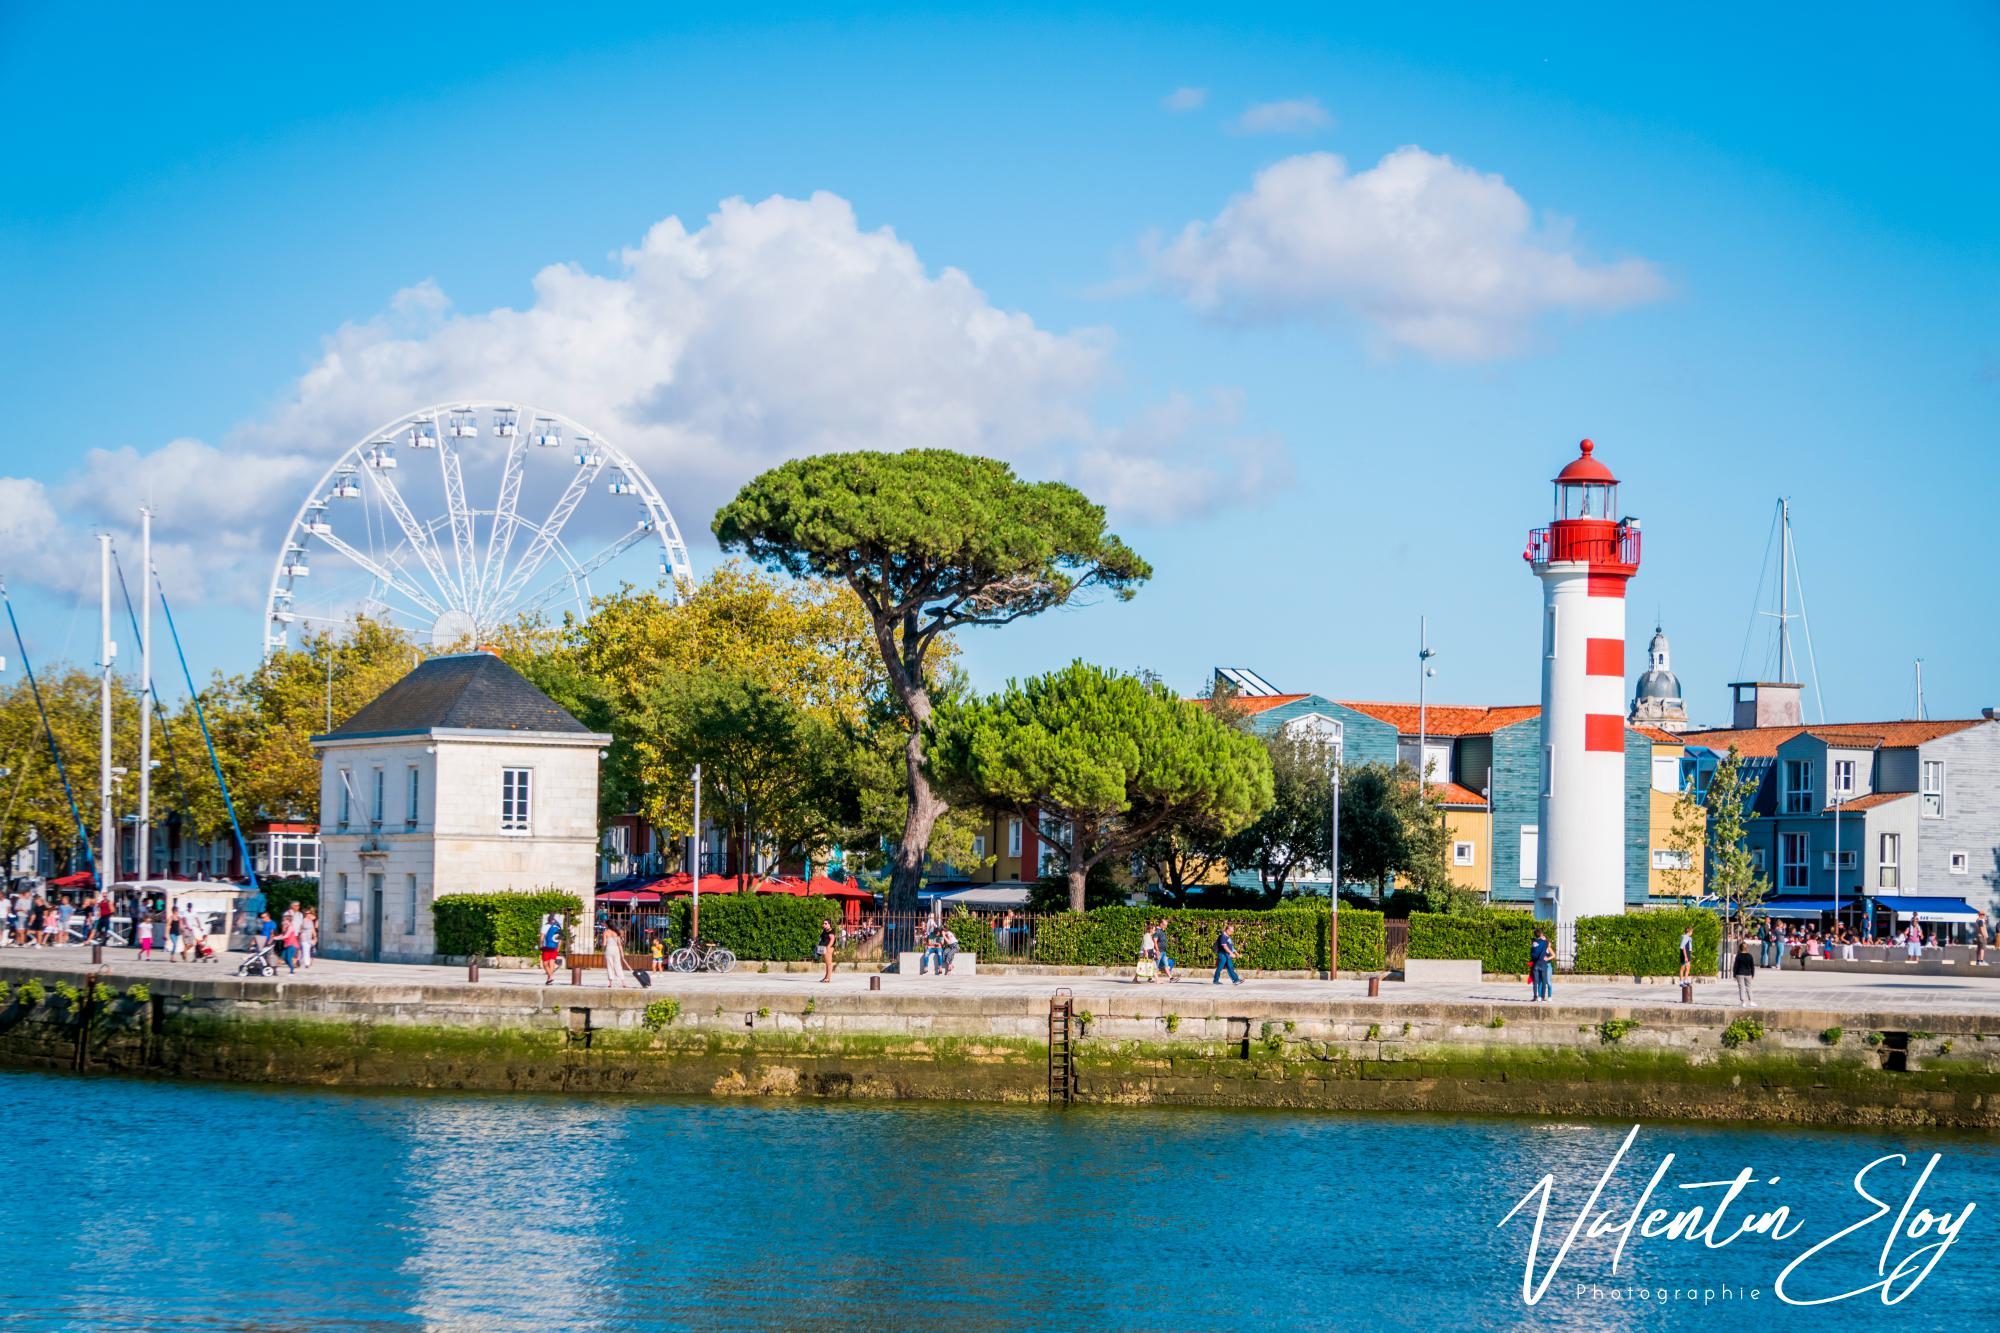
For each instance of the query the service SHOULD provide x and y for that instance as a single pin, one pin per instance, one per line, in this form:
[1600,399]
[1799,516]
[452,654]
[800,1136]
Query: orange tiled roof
[1659,734]
[1446,719]
[1763,742]
[1251,704]
[1871,800]
[1450,793]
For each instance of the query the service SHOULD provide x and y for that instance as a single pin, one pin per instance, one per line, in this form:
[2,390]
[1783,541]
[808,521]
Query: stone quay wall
[1643,1061]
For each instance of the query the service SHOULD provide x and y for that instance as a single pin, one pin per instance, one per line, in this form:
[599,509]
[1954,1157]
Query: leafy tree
[1051,892]
[768,766]
[32,801]
[1112,759]
[1386,830]
[1685,840]
[929,540]
[1185,856]
[1297,828]
[1732,875]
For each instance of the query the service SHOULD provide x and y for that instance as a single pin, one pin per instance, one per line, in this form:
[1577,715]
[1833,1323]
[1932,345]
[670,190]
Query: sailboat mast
[1784,588]
[144,831]
[107,831]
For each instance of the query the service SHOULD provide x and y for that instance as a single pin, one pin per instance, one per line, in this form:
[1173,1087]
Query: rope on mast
[82,833]
[201,716]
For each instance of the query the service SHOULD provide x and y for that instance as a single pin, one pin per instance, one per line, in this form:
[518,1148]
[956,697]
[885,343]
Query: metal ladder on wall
[1062,1048]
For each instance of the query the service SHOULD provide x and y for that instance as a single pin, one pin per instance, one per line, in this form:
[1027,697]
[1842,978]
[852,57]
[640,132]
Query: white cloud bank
[1431,255]
[1295,115]
[776,329]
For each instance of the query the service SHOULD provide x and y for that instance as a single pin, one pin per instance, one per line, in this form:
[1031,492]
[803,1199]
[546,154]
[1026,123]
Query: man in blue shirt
[551,947]
[1541,967]
[1225,955]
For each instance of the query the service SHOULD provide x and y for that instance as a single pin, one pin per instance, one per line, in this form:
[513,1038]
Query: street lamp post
[694,916]
[1424,672]
[1333,882]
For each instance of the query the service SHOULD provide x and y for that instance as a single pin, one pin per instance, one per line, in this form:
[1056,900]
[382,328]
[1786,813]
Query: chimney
[1766,703]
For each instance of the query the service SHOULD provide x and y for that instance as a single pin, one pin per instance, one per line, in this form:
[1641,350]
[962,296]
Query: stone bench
[965,965]
[1441,971]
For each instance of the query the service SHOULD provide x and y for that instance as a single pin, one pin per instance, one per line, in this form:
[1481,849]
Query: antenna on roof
[1919,664]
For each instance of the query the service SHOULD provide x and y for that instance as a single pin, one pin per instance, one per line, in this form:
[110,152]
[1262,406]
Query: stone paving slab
[1819,992]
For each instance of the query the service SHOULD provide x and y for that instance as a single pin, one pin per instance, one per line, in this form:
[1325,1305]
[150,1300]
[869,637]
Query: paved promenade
[1827,992]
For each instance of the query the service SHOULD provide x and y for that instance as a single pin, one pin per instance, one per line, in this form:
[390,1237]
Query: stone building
[462,777]
[1657,701]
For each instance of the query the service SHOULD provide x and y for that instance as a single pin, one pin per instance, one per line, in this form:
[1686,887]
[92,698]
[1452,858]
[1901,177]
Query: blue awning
[1936,909]
[1797,906]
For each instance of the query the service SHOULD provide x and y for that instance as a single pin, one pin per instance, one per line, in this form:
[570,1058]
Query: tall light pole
[1424,672]
[1333,882]
[694,920]
[143,834]
[107,831]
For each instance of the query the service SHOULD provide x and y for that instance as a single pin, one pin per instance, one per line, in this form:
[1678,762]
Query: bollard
[472,969]
[1374,987]
[576,976]
[1687,992]
[96,953]
[875,981]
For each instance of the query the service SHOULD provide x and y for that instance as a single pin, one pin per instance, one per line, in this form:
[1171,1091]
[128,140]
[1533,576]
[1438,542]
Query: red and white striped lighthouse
[1584,559]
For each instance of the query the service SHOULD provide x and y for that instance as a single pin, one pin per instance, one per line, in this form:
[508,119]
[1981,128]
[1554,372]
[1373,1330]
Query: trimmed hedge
[1499,940]
[766,927]
[1284,939]
[281,893]
[498,925]
[1645,944]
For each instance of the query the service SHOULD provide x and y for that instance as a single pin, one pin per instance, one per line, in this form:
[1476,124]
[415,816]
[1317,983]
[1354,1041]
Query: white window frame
[415,785]
[1843,781]
[1933,788]
[1961,863]
[1798,778]
[378,796]
[1889,870]
[346,802]
[1531,855]
[1464,853]
[1794,860]
[1848,860]
[979,847]
[517,822]
[1013,837]
[1666,858]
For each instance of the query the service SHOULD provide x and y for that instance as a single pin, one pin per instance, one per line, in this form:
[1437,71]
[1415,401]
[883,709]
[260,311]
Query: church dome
[1659,685]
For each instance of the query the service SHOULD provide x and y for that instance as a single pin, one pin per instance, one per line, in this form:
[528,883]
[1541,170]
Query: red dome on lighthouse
[1585,468]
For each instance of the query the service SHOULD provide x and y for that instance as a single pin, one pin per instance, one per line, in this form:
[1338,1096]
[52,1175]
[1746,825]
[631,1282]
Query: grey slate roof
[463,691]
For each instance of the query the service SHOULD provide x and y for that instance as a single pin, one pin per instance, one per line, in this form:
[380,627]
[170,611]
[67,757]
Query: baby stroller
[259,964]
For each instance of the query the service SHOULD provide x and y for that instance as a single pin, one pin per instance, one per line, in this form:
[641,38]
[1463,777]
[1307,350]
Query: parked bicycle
[701,956]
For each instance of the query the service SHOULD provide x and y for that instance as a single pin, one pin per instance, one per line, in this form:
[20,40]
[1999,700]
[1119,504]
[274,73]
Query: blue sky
[1751,258]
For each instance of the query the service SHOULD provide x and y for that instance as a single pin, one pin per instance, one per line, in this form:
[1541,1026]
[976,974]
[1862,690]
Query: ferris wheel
[388,530]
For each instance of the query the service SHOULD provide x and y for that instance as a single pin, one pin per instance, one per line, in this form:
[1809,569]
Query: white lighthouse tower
[1584,559]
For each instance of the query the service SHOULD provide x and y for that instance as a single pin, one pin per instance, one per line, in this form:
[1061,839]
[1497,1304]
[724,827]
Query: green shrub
[1173,1022]
[138,992]
[660,1013]
[102,993]
[1374,1032]
[1498,939]
[762,926]
[6,995]
[1830,1036]
[1613,1030]
[282,893]
[1496,1022]
[1742,1031]
[1645,944]
[1873,1039]
[763,1011]
[811,1007]
[69,995]
[500,925]
[30,993]
[1944,1047]
[1289,938]
[975,933]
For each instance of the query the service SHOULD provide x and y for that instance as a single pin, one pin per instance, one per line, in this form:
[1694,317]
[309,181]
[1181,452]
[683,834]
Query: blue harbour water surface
[141,1205]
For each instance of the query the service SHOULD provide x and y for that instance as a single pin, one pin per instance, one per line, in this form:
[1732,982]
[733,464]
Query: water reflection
[201,1206]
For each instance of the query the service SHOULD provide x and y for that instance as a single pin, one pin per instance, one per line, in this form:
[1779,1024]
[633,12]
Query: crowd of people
[42,920]
[1779,940]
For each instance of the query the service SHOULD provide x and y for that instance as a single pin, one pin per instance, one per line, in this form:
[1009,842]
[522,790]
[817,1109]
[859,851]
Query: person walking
[290,941]
[1745,969]
[614,959]
[1541,968]
[142,930]
[1979,932]
[308,935]
[104,910]
[1166,971]
[1225,955]
[551,947]
[826,950]
[1687,951]
[173,929]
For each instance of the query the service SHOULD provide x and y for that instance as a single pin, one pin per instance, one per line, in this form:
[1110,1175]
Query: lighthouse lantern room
[1584,559]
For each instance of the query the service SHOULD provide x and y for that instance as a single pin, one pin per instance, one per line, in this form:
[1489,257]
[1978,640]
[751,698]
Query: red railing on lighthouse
[1594,543]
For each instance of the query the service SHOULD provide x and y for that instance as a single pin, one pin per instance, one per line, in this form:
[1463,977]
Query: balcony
[1595,543]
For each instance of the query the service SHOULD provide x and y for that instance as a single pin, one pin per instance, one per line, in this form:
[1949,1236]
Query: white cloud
[774,330]
[1296,115]
[1429,254]
[1185,99]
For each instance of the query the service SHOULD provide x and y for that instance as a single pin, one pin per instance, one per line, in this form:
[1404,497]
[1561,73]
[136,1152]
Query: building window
[1892,850]
[346,796]
[410,888]
[1548,770]
[1531,852]
[1843,780]
[979,848]
[1933,789]
[1798,787]
[341,920]
[1664,859]
[514,796]
[415,794]
[1013,837]
[1961,864]
[381,782]
[1549,634]
[1757,859]
[1667,775]
[1461,853]
[1792,860]
[1845,859]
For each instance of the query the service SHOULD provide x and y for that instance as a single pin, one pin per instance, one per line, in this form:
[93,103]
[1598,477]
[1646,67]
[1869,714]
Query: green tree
[1185,856]
[1732,875]
[1112,759]
[929,540]
[1685,841]
[1385,830]
[1296,830]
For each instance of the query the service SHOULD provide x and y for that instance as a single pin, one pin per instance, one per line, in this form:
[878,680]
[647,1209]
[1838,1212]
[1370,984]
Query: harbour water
[142,1205]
